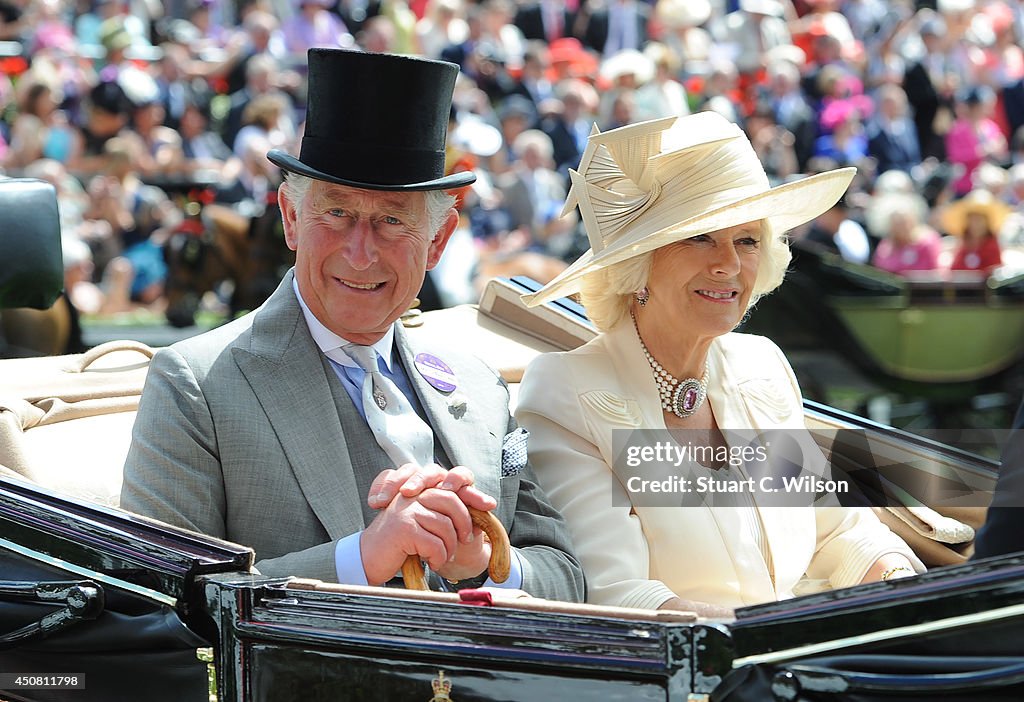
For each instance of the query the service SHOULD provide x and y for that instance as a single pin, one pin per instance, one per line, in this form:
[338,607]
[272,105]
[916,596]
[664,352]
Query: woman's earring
[642,296]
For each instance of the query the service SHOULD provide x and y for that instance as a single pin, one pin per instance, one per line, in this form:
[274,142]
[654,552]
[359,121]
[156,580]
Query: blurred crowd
[141,113]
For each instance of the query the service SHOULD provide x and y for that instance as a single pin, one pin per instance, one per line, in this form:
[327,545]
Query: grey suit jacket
[238,436]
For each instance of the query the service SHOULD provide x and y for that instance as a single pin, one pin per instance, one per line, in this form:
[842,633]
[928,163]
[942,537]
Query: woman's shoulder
[564,364]
[750,357]
[743,346]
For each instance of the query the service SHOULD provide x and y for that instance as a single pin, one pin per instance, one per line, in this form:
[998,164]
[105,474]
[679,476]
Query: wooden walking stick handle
[498,567]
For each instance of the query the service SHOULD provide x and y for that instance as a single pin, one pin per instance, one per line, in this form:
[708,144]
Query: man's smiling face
[361,255]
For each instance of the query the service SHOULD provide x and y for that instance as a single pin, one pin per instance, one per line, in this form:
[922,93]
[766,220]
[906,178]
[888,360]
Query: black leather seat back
[31,263]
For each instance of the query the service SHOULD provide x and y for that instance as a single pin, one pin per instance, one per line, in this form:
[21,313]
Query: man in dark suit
[614,26]
[259,72]
[546,20]
[892,138]
[1003,531]
[569,127]
[273,430]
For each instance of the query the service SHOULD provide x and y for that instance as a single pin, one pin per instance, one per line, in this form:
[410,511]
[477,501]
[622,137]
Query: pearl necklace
[680,397]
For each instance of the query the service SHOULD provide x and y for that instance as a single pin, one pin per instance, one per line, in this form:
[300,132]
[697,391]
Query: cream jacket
[637,556]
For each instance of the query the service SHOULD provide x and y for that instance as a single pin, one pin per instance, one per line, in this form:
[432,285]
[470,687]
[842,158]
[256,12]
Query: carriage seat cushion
[66,421]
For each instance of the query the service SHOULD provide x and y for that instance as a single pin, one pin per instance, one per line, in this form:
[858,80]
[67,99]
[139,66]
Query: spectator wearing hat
[825,67]
[107,112]
[622,74]
[516,114]
[443,24]
[844,140]
[88,25]
[908,243]
[571,60]
[364,208]
[753,30]
[663,95]
[684,33]
[974,137]
[976,220]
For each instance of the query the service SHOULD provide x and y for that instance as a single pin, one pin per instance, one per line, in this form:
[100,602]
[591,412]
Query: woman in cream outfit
[685,235]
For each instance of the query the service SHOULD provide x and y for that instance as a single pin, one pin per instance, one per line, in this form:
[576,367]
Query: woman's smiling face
[700,287]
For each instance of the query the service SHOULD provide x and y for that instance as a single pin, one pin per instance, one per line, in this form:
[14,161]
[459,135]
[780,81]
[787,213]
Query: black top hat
[376,121]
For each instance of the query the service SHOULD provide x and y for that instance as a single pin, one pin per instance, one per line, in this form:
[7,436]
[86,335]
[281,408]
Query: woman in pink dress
[908,243]
[975,137]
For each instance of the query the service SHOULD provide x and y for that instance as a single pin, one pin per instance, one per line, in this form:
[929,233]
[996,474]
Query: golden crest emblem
[442,686]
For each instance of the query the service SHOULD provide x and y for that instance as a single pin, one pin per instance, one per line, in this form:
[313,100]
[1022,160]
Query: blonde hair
[607,294]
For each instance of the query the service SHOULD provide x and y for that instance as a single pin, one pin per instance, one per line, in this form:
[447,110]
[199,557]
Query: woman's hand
[702,609]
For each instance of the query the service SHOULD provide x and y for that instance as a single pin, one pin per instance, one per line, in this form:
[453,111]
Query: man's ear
[440,241]
[289,217]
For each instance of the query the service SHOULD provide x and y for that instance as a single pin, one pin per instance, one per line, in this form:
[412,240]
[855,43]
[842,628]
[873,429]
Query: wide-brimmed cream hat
[646,185]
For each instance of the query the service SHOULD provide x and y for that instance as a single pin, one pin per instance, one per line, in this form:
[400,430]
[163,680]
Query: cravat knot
[398,429]
[364,356]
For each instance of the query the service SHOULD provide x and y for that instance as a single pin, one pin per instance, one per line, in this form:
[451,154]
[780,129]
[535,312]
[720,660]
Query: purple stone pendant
[688,397]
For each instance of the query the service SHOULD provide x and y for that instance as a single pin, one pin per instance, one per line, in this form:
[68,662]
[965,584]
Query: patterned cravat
[398,429]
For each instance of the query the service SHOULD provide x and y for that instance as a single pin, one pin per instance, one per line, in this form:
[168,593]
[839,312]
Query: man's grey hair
[607,293]
[438,202]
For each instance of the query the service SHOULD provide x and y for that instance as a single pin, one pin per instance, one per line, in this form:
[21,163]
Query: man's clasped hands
[423,510]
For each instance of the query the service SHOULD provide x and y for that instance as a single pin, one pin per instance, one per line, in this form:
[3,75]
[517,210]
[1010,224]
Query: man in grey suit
[256,432]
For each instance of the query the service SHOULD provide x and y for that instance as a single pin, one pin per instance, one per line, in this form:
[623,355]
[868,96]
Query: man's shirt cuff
[348,561]
[515,574]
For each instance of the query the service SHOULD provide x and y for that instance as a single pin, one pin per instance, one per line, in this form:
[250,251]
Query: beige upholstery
[65,421]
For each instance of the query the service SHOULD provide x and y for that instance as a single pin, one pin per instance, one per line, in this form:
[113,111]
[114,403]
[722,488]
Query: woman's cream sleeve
[607,536]
[848,539]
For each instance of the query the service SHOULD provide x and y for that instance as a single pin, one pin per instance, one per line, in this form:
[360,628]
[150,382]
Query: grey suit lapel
[284,368]
[468,438]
